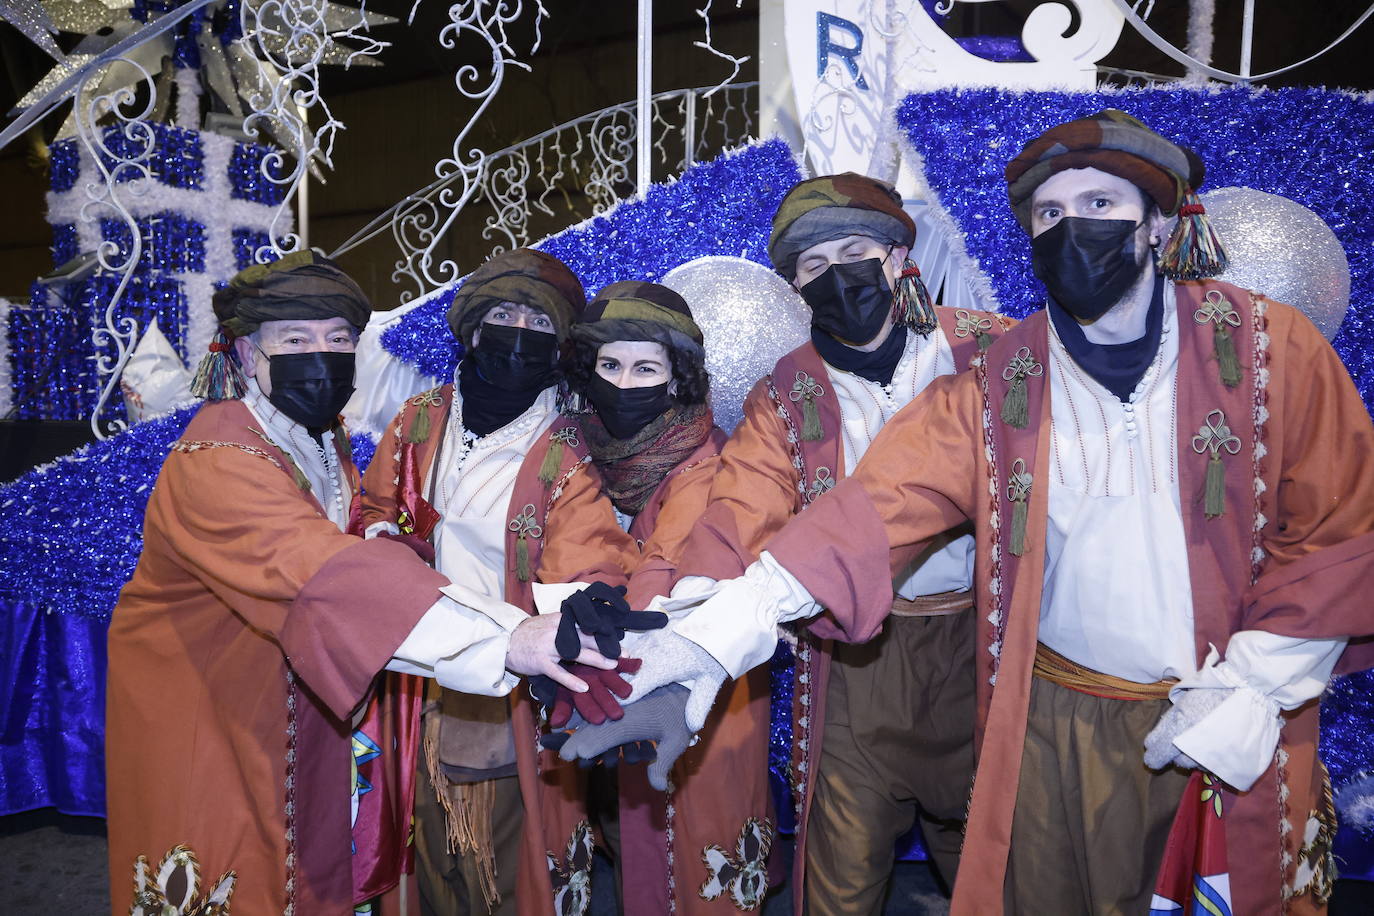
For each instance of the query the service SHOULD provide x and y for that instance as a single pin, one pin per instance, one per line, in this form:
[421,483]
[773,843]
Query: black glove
[600,611]
[659,718]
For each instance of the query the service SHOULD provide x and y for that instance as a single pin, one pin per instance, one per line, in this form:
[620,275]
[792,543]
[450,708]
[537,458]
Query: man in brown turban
[1175,535]
[488,470]
[253,625]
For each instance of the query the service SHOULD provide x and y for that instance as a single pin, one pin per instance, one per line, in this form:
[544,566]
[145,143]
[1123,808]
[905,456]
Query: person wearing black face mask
[876,342]
[488,471]
[1146,515]
[257,620]
[639,364]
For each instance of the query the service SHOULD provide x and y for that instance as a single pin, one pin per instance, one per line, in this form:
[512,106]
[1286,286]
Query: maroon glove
[423,549]
[599,703]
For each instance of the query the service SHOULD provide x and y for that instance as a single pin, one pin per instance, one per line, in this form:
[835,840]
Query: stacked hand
[600,701]
[653,729]
[601,612]
[681,679]
[598,613]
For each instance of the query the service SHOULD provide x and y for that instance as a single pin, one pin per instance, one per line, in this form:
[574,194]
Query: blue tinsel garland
[1314,146]
[722,207]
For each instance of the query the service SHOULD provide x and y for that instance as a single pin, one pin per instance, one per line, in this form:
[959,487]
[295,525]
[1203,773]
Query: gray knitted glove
[673,659]
[1191,707]
[659,718]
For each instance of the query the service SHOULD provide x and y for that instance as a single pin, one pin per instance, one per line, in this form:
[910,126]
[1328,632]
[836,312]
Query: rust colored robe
[704,846]
[249,632]
[769,474]
[1293,554]
[574,537]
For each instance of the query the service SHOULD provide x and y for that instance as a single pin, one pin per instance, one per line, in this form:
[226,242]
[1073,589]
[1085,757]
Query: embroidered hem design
[743,875]
[572,874]
[174,889]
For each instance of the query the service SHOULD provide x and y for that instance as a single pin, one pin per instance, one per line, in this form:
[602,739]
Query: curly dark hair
[693,381]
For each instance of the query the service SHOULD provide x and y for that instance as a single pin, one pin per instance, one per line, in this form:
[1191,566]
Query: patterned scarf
[633,468]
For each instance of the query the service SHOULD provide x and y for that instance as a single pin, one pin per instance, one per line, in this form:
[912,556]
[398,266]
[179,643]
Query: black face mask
[519,359]
[625,411]
[1086,264]
[850,301]
[311,388]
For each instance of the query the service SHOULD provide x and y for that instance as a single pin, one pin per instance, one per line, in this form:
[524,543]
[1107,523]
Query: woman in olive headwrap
[639,364]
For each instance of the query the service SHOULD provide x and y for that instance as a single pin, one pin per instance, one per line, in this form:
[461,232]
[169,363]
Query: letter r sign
[826,26]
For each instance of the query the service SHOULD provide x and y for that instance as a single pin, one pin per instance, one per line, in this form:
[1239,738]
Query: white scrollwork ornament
[114,127]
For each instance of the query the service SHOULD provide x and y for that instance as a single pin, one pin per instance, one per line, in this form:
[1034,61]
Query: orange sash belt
[1055,668]
[932,605]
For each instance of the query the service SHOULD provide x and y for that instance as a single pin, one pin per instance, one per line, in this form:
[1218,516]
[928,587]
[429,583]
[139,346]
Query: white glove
[670,659]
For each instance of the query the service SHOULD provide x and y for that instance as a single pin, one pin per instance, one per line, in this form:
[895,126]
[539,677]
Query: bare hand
[532,650]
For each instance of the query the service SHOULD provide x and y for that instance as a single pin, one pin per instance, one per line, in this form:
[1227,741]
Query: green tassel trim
[297,474]
[419,427]
[342,443]
[1018,528]
[911,306]
[1193,250]
[522,559]
[985,340]
[1214,500]
[811,420]
[218,377]
[1225,349]
[553,460]
[1015,409]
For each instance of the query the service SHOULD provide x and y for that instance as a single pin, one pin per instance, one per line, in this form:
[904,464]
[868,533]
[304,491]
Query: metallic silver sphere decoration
[1282,249]
[749,316]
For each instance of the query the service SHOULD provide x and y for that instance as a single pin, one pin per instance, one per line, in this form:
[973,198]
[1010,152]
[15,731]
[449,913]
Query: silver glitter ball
[749,316]
[1280,248]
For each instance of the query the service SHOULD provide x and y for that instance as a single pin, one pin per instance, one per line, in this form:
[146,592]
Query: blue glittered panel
[1313,146]
[247,179]
[171,242]
[48,342]
[721,207]
[65,244]
[247,243]
[73,529]
[174,156]
[64,165]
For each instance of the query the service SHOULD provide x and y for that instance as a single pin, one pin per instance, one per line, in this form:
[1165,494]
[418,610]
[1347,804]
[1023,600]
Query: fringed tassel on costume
[522,558]
[419,427]
[1214,498]
[342,443]
[1225,349]
[553,460]
[297,474]
[1015,409]
[811,420]
[218,378]
[911,306]
[467,815]
[1193,250]
[1018,528]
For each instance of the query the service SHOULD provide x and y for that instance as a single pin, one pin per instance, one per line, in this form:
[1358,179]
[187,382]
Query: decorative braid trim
[195,445]
[793,439]
[290,808]
[561,482]
[996,612]
[1259,306]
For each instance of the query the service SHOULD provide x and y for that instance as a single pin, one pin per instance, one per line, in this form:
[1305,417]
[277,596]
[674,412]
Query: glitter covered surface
[1279,246]
[721,207]
[1313,146]
[750,318]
